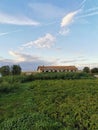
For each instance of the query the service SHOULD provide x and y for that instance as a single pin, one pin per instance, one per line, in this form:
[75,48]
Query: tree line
[10,70]
[88,70]
[16,70]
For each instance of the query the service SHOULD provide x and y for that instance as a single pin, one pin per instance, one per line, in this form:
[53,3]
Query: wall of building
[55,70]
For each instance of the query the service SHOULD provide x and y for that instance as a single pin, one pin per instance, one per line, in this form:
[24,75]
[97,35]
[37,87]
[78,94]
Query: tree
[5,70]
[16,70]
[86,69]
[94,70]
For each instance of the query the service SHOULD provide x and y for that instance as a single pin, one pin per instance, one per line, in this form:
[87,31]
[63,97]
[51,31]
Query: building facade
[57,69]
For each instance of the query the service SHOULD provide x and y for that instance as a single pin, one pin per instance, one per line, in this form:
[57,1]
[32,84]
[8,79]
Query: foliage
[5,70]
[6,87]
[31,121]
[94,70]
[55,75]
[86,69]
[49,104]
[13,70]
[16,70]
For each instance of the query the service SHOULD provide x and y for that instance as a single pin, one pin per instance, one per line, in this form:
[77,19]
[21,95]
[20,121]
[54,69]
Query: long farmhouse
[57,69]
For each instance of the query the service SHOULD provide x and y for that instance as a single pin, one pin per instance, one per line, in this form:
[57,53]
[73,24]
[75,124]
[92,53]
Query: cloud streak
[46,41]
[89,12]
[83,4]
[15,20]
[7,33]
[92,9]
[2,34]
[73,61]
[23,56]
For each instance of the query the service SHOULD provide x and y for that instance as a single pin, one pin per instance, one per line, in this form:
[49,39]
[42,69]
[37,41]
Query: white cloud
[68,19]
[23,56]
[15,20]
[46,41]
[17,56]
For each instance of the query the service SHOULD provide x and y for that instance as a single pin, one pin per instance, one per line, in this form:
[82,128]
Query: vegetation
[5,70]
[57,75]
[86,69]
[16,70]
[94,70]
[48,104]
[13,70]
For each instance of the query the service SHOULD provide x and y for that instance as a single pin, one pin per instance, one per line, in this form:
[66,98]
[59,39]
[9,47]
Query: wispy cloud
[89,12]
[16,20]
[83,4]
[66,21]
[92,9]
[2,34]
[23,56]
[64,31]
[46,41]
[69,18]
[69,61]
[7,33]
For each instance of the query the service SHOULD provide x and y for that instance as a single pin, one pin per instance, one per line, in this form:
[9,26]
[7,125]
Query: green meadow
[59,104]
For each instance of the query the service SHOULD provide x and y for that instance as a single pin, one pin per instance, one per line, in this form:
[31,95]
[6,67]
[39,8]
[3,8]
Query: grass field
[49,105]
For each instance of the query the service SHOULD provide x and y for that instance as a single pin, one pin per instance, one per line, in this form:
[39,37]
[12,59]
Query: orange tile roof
[57,67]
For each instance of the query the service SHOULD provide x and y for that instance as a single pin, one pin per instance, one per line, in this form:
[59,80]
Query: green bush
[6,87]
[50,76]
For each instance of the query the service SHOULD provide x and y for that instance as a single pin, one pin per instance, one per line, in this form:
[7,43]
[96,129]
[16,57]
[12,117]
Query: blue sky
[48,32]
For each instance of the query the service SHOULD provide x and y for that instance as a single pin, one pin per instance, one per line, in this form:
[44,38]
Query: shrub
[6,87]
[69,75]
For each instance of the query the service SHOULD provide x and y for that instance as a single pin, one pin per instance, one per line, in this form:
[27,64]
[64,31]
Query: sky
[48,32]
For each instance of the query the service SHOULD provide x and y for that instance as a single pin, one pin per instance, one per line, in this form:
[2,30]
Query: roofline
[42,67]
